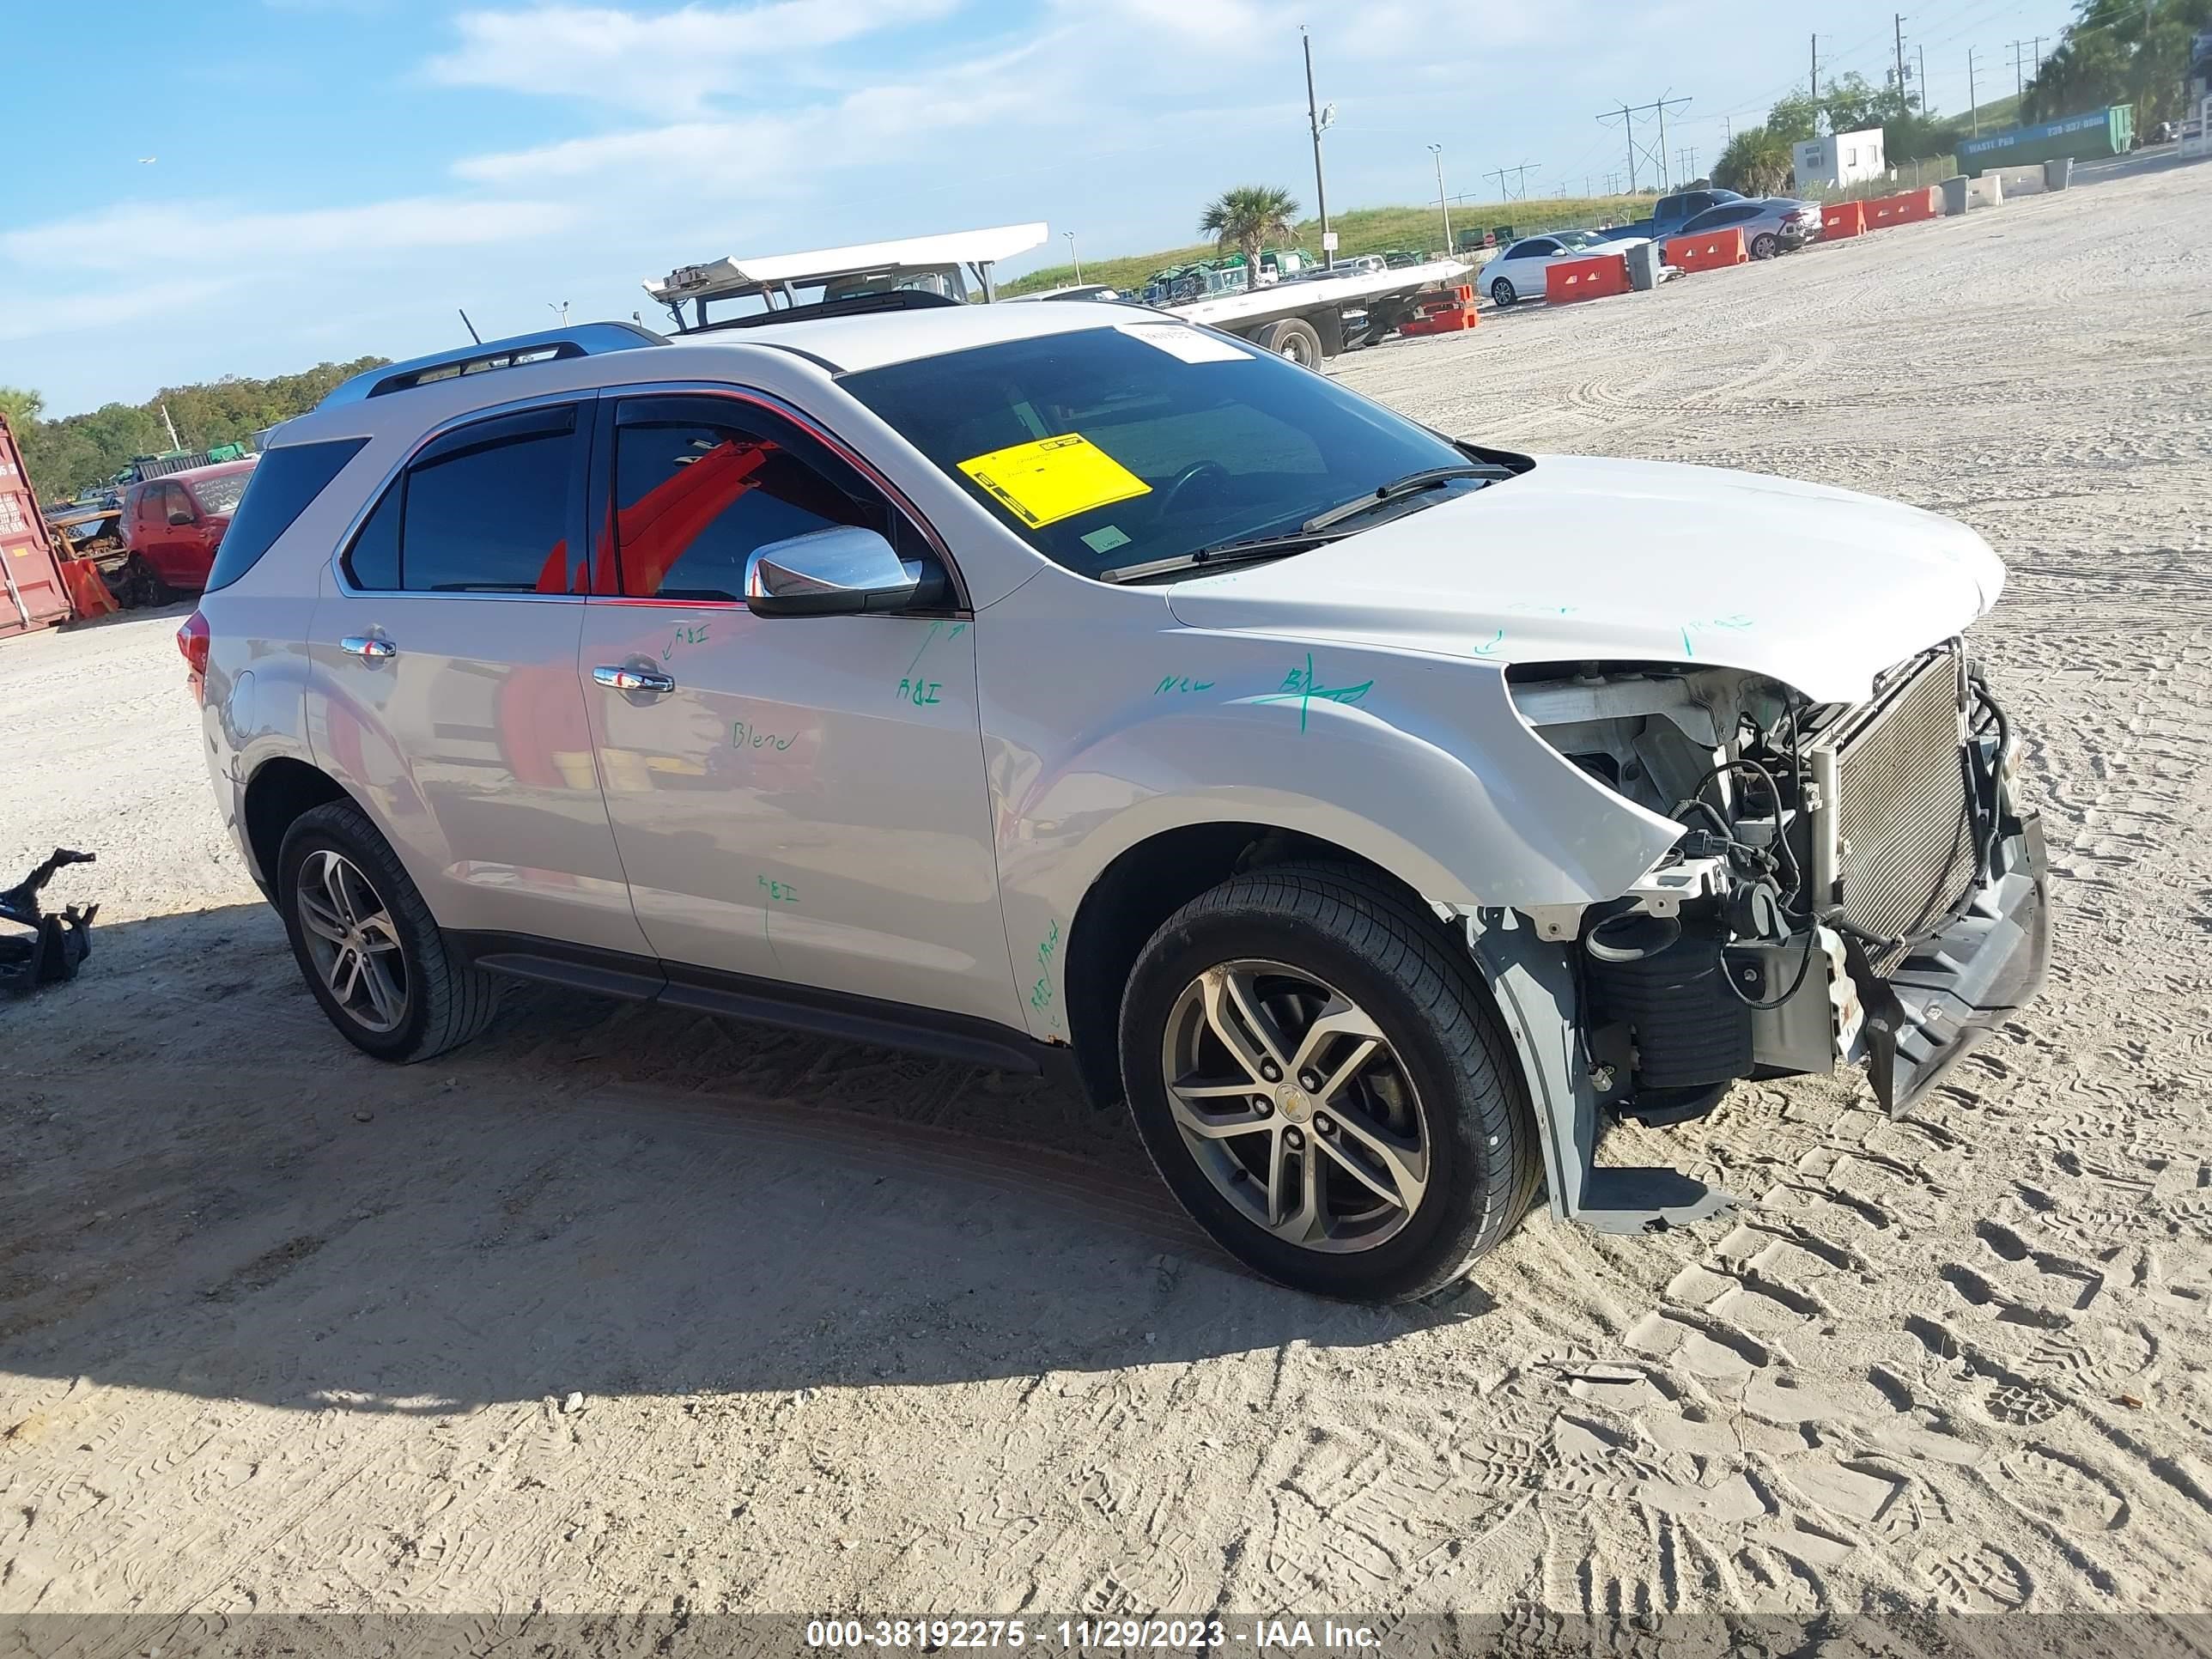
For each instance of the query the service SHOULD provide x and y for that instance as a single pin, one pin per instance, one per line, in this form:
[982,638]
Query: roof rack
[551,345]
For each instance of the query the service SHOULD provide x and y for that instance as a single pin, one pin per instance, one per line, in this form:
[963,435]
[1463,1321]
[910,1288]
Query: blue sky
[329,178]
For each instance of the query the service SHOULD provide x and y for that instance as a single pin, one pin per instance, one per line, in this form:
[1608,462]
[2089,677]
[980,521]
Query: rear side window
[278,491]
[484,509]
[490,516]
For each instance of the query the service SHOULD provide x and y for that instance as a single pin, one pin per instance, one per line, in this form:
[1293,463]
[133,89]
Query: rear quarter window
[279,490]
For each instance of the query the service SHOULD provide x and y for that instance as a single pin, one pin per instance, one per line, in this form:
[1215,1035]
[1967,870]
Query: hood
[1583,559]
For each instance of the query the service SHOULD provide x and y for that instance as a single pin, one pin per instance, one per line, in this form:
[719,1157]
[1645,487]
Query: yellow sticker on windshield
[1054,478]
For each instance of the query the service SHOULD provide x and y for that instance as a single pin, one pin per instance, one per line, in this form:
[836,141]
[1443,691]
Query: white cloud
[667,62]
[215,235]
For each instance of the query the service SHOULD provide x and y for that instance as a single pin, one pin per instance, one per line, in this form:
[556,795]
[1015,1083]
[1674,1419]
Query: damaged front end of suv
[1854,884]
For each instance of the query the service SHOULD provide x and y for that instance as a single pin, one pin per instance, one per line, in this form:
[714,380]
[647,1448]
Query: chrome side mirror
[838,571]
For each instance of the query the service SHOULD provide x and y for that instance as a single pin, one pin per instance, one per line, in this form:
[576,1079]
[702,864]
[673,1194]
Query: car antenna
[470,326]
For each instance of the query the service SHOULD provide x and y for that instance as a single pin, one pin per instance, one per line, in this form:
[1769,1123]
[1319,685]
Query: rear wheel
[371,952]
[1294,338]
[1319,1078]
[1764,246]
[1501,295]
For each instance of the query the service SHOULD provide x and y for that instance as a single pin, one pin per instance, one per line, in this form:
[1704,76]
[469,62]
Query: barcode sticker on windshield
[1054,478]
[1191,345]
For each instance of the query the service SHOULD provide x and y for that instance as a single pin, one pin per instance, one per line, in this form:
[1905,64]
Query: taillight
[193,641]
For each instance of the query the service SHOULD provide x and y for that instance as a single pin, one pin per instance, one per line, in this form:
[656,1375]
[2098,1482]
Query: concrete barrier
[1987,191]
[1593,278]
[2015,181]
[1843,219]
[1707,252]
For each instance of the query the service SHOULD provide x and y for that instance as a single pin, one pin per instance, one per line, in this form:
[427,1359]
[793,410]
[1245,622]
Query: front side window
[1113,446]
[700,484]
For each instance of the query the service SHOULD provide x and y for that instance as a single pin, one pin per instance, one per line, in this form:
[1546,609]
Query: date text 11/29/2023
[1258,1636]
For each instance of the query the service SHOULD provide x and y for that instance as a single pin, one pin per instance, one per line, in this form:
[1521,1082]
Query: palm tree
[1757,161]
[1246,219]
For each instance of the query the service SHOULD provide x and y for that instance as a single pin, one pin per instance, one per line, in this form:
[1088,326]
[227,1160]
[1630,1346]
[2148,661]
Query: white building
[1840,159]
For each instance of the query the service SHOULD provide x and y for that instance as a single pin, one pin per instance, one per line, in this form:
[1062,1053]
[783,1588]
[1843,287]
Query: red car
[172,526]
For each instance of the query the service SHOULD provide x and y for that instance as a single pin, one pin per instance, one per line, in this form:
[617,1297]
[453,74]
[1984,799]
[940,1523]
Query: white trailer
[1305,318]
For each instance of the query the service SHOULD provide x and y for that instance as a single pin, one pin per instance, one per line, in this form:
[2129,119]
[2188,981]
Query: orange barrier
[1843,219]
[1707,252]
[1442,311]
[1913,205]
[89,594]
[1593,278]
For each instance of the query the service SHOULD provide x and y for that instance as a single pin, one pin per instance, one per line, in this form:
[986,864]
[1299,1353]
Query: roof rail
[551,345]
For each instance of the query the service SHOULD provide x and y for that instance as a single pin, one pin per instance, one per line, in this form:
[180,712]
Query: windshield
[1108,447]
[219,496]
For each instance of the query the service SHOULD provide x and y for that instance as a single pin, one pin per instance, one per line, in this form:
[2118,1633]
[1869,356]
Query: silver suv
[1066,687]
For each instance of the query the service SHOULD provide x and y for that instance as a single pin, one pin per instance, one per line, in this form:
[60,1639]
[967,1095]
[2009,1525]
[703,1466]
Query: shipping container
[2100,133]
[30,591]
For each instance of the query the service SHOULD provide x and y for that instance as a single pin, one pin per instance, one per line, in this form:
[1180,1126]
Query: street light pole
[1443,207]
[1314,123]
[1074,258]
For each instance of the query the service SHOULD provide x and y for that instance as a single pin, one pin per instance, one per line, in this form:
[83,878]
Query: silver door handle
[634,679]
[370,645]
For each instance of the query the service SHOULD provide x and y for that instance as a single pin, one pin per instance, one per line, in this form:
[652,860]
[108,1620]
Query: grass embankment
[1363,230]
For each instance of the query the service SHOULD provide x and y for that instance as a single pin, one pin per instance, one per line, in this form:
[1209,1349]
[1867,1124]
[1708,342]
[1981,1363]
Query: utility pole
[1814,86]
[2018,82]
[1656,153]
[175,442]
[2038,54]
[1315,122]
[1899,26]
[1688,157]
[1972,103]
[1442,206]
[1922,53]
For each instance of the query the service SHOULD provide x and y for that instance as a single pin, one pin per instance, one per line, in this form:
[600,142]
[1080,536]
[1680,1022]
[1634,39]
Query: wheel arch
[280,790]
[1137,891]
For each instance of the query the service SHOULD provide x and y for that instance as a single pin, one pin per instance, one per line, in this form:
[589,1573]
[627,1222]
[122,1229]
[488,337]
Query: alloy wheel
[1295,1105]
[351,940]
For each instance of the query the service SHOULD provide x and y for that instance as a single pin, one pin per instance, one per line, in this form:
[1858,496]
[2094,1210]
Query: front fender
[1417,762]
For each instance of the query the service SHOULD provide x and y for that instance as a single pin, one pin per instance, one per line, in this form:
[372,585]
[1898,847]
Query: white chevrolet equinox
[1067,687]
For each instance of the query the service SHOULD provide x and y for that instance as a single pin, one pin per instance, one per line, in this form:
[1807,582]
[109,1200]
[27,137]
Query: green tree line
[2119,51]
[76,451]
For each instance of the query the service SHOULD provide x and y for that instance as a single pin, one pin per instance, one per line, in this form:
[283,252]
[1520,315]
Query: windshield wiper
[1222,553]
[1429,477]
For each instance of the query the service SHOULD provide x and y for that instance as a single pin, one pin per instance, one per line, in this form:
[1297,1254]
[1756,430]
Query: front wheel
[1501,295]
[1318,1076]
[1765,246]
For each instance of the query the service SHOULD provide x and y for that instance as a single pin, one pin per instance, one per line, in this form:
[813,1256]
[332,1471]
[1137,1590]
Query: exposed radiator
[1902,823]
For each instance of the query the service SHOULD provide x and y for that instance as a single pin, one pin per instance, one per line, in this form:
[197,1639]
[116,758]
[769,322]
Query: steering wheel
[1189,476]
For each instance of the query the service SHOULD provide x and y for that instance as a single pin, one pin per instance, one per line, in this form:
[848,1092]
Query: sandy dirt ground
[282,1329]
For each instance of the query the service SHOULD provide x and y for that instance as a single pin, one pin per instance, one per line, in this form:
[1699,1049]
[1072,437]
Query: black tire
[140,588]
[446,1000]
[1356,934]
[1501,295]
[1764,246]
[1292,338]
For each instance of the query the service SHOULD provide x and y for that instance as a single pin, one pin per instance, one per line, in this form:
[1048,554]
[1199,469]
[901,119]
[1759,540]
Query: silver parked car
[1065,687]
[1770,224]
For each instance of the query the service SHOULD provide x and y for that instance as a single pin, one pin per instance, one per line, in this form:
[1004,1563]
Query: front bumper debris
[57,944]
[1948,993]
